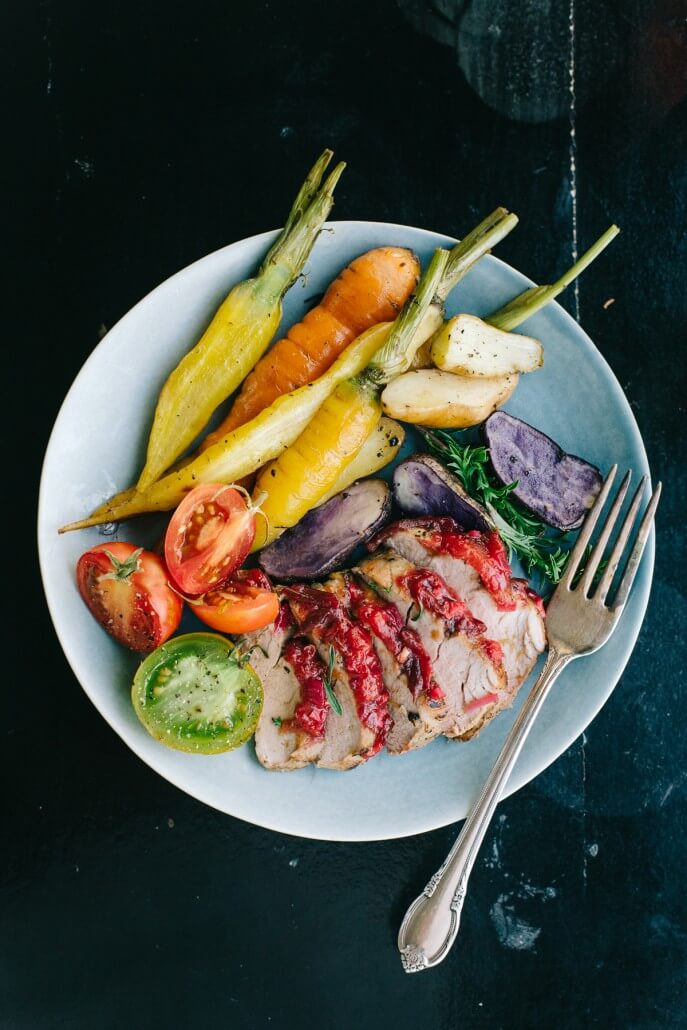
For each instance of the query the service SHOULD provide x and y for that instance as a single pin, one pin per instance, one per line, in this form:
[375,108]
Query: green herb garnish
[377,588]
[524,534]
[241,657]
[277,721]
[329,690]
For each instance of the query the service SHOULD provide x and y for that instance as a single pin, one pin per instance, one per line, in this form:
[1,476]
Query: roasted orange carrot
[372,289]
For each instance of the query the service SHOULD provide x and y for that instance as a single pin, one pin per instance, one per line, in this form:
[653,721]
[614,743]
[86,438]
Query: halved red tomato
[244,603]
[127,591]
[210,534]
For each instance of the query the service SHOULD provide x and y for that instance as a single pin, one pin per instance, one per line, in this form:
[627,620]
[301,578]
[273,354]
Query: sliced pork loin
[294,658]
[475,566]
[356,727]
[406,668]
[347,741]
[466,666]
[281,692]
[280,743]
[265,646]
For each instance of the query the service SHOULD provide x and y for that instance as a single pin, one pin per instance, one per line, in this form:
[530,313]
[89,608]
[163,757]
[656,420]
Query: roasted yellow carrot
[264,438]
[306,471]
[239,333]
[249,446]
[294,482]
[371,289]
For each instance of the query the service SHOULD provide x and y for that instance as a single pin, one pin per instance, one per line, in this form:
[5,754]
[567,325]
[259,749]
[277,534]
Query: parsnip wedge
[467,346]
[442,400]
[381,447]
[423,355]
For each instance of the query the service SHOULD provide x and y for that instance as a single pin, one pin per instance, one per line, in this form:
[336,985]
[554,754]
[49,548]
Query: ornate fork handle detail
[432,921]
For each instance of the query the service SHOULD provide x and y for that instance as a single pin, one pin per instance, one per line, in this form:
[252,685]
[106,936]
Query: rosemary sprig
[523,534]
[329,690]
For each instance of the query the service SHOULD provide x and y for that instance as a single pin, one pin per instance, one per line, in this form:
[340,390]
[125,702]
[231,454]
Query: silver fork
[578,622]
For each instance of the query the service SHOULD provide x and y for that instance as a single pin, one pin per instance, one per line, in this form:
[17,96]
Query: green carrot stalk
[478,242]
[398,351]
[531,300]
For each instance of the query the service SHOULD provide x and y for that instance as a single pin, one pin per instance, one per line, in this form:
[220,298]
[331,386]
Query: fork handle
[431,923]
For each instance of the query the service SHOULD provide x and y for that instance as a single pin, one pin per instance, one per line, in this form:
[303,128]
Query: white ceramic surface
[96,448]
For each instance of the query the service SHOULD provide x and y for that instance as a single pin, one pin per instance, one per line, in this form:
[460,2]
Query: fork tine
[587,529]
[623,536]
[597,554]
[637,551]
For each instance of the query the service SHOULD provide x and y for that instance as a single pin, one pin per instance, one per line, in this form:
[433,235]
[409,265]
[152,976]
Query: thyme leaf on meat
[539,549]
[328,688]
[243,655]
[378,588]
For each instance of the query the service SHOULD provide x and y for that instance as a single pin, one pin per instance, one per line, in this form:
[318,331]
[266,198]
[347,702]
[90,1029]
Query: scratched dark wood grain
[150,134]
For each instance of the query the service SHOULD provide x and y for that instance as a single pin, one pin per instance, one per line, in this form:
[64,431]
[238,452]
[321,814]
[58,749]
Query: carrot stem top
[531,300]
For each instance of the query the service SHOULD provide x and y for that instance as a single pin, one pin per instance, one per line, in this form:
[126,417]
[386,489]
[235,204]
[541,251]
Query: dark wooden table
[149,134]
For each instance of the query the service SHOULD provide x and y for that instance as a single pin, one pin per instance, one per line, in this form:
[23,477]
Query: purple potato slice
[323,540]
[422,486]
[560,488]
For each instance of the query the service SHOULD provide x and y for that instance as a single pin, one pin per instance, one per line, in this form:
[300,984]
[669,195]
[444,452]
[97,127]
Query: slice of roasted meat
[475,565]
[281,742]
[358,722]
[313,653]
[406,667]
[467,667]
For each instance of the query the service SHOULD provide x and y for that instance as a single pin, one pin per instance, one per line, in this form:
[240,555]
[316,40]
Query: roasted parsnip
[442,400]
[470,347]
[417,396]
[380,448]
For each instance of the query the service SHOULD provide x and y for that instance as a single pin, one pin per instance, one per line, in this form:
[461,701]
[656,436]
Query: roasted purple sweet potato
[326,536]
[558,487]
[424,487]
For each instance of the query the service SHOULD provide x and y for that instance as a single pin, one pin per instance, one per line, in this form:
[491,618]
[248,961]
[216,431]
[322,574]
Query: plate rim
[519,778]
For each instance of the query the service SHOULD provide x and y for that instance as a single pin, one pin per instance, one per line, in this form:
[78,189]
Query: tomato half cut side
[127,590]
[243,604]
[197,693]
[208,538]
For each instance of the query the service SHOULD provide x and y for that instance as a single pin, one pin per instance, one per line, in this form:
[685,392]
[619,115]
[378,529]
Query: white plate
[97,447]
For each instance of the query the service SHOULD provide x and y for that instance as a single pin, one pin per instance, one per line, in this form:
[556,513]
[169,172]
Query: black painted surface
[151,134]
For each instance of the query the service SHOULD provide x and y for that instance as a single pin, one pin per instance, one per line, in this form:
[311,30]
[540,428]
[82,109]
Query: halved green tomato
[196,693]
